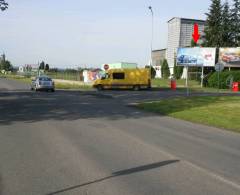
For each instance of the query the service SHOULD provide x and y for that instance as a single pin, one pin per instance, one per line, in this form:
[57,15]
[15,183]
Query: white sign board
[196,56]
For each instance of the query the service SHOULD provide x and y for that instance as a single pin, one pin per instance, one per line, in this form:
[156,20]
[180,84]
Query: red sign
[106,67]
[196,34]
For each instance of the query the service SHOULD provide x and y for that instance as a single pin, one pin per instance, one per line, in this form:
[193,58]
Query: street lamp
[150,8]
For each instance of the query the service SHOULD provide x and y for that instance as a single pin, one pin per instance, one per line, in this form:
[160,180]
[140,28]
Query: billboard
[196,56]
[229,57]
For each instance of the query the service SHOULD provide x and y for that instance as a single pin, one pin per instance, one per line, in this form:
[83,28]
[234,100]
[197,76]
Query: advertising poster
[229,57]
[196,56]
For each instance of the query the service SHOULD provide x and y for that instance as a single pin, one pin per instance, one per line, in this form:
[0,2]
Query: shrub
[165,70]
[178,71]
[224,79]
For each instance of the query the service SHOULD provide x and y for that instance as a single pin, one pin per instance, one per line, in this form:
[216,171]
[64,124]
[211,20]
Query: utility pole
[150,8]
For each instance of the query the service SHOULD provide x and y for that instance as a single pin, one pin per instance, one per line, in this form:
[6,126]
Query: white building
[180,32]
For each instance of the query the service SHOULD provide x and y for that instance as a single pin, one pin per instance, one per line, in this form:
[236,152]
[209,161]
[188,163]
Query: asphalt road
[87,143]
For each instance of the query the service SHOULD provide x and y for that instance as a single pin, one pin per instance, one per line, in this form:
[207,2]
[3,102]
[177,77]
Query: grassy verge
[72,86]
[16,77]
[194,86]
[222,112]
[57,84]
[165,83]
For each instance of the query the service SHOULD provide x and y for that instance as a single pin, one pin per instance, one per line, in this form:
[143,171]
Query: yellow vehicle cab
[124,79]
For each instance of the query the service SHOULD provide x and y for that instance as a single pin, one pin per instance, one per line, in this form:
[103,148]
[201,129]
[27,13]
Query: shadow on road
[29,107]
[119,173]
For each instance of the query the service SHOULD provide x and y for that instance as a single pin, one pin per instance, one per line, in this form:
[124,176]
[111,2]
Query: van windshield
[105,76]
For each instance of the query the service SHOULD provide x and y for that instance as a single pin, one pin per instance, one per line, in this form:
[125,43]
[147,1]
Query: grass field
[222,112]
[165,83]
[57,84]
[72,86]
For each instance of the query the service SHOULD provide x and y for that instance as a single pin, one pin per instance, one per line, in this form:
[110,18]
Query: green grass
[222,112]
[57,85]
[194,86]
[165,83]
[17,77]
[72,86]
[64,76]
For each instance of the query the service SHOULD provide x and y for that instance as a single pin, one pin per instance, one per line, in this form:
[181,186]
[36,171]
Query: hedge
[224,79]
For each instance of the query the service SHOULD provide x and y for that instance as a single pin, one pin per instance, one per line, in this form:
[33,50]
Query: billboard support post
[202,77]
[219,67]
[187,87]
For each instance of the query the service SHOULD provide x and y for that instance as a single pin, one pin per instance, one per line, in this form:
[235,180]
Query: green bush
[224,79]
[178,71]
[165,69]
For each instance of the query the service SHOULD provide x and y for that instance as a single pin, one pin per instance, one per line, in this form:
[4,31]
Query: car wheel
[99,87]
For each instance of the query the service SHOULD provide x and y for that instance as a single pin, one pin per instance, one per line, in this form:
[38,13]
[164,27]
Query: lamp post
[150,8]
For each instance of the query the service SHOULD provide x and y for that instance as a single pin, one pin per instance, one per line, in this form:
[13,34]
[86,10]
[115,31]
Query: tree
[178,70]
[213,30]
[3,5]
[42,65]
[235,22]
[165,70]
[47,67]
[226,26]
[6,65]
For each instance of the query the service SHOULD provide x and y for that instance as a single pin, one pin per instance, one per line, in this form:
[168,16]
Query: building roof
[159,50]
[188,20]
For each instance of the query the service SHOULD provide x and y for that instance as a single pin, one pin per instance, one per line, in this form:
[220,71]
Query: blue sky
[70,33]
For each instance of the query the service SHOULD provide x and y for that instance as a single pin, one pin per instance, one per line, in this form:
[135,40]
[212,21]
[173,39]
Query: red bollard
[173,84]
[235,87]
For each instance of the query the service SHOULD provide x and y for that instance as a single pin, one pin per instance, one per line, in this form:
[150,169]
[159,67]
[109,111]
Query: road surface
[87,143]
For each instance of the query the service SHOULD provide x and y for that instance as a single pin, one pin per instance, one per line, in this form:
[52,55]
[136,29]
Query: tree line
[223,24]
[3,5]
[6,65]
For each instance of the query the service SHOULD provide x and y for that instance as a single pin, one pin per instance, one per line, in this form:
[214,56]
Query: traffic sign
[106,67]
[219,67]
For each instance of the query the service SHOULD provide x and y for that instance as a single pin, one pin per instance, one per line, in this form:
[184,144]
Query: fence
[73,76]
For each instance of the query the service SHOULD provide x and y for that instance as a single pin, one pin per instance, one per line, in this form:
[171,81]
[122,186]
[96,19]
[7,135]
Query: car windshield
[45,79]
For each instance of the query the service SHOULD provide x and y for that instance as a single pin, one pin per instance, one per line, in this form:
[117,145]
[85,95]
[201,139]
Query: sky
[76,33]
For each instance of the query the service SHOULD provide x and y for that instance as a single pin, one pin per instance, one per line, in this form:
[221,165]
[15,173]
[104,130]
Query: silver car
[43,83]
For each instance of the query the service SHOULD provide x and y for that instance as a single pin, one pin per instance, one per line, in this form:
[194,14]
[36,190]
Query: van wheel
[99,87]
[136,87]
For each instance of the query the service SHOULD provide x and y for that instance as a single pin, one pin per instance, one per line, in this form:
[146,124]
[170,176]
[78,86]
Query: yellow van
[124,79]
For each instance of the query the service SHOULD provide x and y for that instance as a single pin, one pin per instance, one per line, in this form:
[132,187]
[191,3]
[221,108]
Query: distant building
[180,32]
[118,65]
[28,68]
[158,57]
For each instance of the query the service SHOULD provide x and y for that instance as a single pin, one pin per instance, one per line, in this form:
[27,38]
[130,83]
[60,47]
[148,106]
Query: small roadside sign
[219,67]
